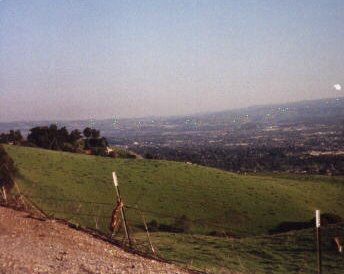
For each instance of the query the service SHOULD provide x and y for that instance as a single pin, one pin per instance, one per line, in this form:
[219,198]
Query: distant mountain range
[326,111]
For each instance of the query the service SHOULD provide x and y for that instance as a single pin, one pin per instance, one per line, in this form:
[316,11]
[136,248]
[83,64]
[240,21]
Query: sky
[81,59]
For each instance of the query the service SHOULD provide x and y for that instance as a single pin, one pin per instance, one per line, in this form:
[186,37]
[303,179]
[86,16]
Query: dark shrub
[169,228]
[150,156]
[7,171]
[99,151]
[326,219]
[153,225]
[113,154]
[67,147]
[289,226]
[329,219]
[182,224]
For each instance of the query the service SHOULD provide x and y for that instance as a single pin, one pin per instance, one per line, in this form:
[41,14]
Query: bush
[329,219]
[153,225]
[68,147]
[7,171]
[99,151]
[182,224]
[113,154]
[150,156]
[326,219]
[289,226]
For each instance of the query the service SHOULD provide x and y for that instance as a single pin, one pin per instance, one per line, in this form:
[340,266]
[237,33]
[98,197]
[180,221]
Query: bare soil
[28,245]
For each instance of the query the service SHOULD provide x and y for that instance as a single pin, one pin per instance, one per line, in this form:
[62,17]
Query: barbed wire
[68,200]
[150,212]
[140,244]
[77,214]
[176,217]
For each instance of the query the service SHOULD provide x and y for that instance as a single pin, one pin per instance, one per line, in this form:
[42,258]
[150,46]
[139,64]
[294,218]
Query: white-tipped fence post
[318,233]
[125,227]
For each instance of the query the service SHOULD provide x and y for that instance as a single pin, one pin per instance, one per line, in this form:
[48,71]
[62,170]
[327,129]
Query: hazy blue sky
[74,59]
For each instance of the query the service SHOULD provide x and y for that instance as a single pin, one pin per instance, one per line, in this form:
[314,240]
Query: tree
[4,138]
[95,133]
[14,136]
[74,136]
[49,137]
[39,136]
[18,137]
[87,132]
[62,135]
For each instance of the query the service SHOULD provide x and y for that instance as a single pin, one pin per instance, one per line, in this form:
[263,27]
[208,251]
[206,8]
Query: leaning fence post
[4,194]
[20,195]
[147,232]
[339,246]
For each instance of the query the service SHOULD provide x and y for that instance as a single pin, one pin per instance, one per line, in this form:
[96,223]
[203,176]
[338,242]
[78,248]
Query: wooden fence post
[125,226]
[318,236]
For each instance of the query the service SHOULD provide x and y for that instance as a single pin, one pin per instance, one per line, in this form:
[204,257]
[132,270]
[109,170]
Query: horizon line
[173,115]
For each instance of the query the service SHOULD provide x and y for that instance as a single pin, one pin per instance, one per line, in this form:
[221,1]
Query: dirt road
[31,246]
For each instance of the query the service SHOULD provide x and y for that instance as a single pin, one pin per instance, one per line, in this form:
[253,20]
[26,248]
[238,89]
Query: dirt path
[31,246]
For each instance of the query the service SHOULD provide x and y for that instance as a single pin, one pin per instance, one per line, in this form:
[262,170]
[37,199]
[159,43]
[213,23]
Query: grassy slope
[246,205]
[292,252]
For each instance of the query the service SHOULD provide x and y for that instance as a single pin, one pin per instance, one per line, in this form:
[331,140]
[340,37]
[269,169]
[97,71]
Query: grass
[245,205]
[292,252]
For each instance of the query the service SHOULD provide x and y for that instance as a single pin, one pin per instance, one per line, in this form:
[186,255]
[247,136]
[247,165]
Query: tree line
[14,136]
[55,138]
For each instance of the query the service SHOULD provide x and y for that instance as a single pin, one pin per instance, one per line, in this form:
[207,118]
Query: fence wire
[202,245]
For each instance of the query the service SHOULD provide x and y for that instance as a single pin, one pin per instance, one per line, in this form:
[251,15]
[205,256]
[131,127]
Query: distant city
[303,137]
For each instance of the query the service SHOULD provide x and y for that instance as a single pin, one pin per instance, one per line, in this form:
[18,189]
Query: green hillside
[245,204]
[292,252]
[242,205]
